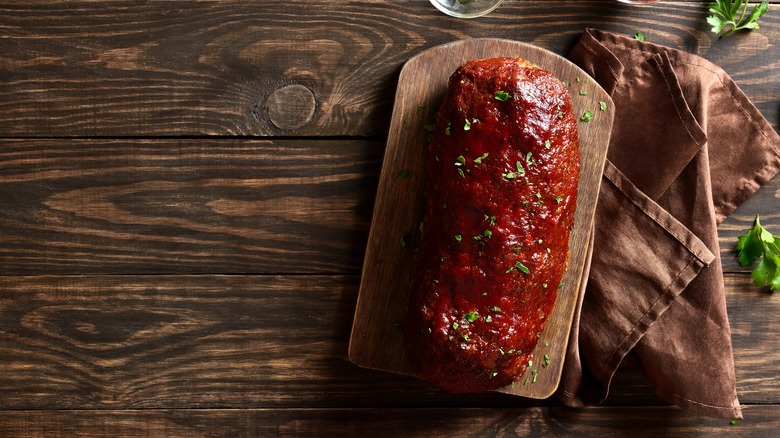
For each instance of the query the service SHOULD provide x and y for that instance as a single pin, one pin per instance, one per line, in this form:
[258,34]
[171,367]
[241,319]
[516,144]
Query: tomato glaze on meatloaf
[500,194]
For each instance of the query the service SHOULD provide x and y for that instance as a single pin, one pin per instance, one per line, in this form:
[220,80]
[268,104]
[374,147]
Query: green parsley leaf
[502,96]
[471,316]
[583,92]
[759,244]
[510,175]
[602,105]
[547,144]
[481,157]
[496,309]
[587,116]
[639,36]
[458,237]
[522,268]
[729,16]
[520,169]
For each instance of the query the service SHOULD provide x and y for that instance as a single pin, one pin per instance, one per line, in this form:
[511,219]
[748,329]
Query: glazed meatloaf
[500,194]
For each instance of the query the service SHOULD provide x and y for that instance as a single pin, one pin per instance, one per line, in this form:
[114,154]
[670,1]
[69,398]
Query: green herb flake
[493,374]
[509,175]
[471,316]
[558,199]
[547,144]
[534,374]
[546,361]
[538,195]
[522,268]
[460,160]
[448,129]
[458,237]
[488,318]
[516,250]
[467,125]
[639,36]
[460,172]
[481,157]
[496,309]
[583,92]
[560,115]
[455,325]
[520,168]
[587,116]
[502,96]
[420,109]
[602,105]
[488,234]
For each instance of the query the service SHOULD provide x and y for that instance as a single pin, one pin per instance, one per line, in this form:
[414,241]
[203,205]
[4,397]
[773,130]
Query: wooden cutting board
[377,339]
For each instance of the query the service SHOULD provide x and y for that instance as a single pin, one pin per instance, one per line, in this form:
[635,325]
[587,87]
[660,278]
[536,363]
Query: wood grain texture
[617,422]
[130,206]
[376,341]
[209,68]
[94,206]
[78,206]
[210,341]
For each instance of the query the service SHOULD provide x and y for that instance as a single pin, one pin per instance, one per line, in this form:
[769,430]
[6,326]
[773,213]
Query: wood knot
[291,106]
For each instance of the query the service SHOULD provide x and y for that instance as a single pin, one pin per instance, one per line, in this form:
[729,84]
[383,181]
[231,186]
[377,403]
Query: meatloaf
[500,195]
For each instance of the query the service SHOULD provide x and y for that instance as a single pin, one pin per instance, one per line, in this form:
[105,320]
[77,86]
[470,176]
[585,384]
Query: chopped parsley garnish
[602,105]
[460,160]
[547,144]
[558,199]
[583,92]
[458,237]
[448,129]
[509,175]
[481,157]
[488,234]
[520,169]
[460,172]
[502,96]
[546,361]
[471,316]
[496,309]
[522,268]
[467,126]
[538,195]
[639,36]
[587,116]
[488,318]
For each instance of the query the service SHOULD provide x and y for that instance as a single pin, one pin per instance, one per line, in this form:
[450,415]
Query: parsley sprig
[758,243]
[729,15]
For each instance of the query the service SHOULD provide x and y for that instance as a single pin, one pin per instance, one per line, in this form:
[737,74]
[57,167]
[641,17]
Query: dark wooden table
[185,196]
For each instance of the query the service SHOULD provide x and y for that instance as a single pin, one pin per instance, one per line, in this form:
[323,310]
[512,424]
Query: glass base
[466,8]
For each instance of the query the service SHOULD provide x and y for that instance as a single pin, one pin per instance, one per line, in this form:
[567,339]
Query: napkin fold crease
[687,148]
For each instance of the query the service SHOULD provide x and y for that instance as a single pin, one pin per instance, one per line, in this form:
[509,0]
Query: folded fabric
[687,148]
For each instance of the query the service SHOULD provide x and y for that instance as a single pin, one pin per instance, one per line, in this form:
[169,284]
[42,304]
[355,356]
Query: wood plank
[74,206]
[204,206]
[376,342]
[207,341]
[239,68]
[618,422]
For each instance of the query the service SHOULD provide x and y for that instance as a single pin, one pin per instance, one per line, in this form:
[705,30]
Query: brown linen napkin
[687,148]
